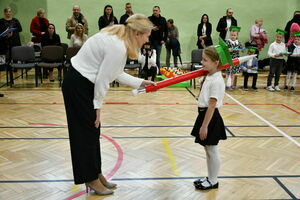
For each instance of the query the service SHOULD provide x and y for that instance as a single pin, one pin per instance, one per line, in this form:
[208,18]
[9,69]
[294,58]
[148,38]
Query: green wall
[186,15]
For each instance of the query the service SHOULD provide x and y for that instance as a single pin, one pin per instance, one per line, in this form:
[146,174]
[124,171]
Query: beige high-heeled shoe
[106,192]
[110,185]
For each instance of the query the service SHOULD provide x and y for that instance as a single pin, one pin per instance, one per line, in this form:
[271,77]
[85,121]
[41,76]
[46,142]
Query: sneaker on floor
[277,88]
[292,88]
[246,88]
[286,87]
[270,88]
[254,88]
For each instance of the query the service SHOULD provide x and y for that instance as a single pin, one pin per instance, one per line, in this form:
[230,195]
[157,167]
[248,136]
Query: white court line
[264,120]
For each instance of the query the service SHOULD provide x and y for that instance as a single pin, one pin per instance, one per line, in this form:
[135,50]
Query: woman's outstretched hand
[146,82]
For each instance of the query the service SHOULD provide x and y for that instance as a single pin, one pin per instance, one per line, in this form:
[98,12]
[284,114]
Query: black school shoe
[202,187]
[199,181]
[292,88]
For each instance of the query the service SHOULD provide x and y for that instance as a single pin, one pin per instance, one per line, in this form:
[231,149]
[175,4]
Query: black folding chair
[22,57]
[196,58]
[52,57]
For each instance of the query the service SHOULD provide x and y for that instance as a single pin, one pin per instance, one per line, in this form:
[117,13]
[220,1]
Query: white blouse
[101,60]
[276,48]
[204,29]
[213,87]
[75,41]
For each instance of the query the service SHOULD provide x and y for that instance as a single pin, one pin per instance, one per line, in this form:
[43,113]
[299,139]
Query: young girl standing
[209,126]
[234,48]
[293,63]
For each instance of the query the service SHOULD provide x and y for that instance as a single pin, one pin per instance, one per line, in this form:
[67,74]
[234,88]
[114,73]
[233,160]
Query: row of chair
[23,57]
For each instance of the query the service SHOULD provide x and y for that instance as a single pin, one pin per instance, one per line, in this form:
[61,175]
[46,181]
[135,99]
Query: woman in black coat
[108,18]
[204,33]
[50,38]
[13,38]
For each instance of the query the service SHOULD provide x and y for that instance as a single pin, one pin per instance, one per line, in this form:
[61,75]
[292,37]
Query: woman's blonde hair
[135,24]
[258,20]
[82,33]
[212,53]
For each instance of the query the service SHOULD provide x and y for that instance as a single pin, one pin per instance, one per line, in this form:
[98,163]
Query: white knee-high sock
[213,163]
[288,78]
[294,79]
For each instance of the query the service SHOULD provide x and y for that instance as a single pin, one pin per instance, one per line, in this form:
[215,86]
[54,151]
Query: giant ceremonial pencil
[187,76]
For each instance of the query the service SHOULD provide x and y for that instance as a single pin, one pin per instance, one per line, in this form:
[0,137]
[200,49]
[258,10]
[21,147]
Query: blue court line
[152,178]
[153,137]
[285,188]
[170,178]
[157,126]
[227,129]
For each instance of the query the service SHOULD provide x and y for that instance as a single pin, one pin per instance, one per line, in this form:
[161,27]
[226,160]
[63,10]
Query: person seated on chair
[48,39]
[147,58]
[250,69]
[78,38]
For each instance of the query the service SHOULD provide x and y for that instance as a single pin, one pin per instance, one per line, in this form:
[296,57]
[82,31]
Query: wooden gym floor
[146,145]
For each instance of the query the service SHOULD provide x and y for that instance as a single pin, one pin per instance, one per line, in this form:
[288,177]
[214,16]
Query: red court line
[111,173]
[106,103]
[54,103]
[136,103]
[290,108]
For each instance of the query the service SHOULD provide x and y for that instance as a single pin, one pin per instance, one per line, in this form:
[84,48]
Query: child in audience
[234,48]
[147,58]
[276,52]
[250,69]
[293,62]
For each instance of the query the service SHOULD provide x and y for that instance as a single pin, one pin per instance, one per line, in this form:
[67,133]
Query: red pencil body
[184,77]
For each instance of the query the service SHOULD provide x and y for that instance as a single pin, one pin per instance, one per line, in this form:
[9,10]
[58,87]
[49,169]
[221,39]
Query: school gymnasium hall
[146,143]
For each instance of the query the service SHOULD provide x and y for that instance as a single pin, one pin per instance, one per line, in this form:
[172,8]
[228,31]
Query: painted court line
[146,104]
[290,109]
[170,156]
[48,125]
[111,173]
[154,178]
[284,188]
[150,137]
[264,120]
[229,131]
[35,125]
[274,177]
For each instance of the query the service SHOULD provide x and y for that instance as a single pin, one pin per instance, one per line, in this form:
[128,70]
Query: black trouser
[149,72]
[78,95]
[157,46]
[246,76]
[276,66]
